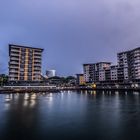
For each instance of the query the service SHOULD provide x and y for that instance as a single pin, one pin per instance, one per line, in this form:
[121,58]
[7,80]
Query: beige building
[24,63]
[80,79]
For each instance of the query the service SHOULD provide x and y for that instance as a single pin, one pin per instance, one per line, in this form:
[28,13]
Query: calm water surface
[70,115]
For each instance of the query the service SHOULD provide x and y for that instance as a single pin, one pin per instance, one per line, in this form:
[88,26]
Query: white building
[123,65]
[95,72]
[114,72]
[50,73]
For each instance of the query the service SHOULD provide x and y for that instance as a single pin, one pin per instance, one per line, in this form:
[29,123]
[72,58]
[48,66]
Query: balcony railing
[15,50]
[37,53]
[37,57]
[14,63]
[14,58]
[37,61]
[14,54]
[11,66]
[13,75]
[13,71]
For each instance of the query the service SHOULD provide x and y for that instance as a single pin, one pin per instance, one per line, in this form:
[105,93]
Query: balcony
[37,53]
[13,78]
[37,65]
[37,69]
[15,50]
[14,63]
[14,54]
[35,57]
[14,58]
[13,71]
[37,61]
[13,75]
[13,66]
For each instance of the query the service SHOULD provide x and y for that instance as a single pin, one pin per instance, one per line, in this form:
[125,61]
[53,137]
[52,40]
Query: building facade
[114,73]
[80,79]
[89,72]
[24,63]
[123,66]
[134,64]
[127,70]
[129,65]
[50,73]
[96,72]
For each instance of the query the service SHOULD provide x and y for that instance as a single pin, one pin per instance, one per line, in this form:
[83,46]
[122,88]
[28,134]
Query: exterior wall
[96,72]
[128,69]
[129,65]
[89,72]
[123,66]
[102,75]
[50,73]
[80,79]
[86,72]
[134,64]
[107,75]
[114,73]
[24,63]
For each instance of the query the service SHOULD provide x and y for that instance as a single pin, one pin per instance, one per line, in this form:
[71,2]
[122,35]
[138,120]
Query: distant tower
[50,73]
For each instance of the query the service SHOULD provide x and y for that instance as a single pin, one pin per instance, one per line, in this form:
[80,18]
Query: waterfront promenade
[22,89]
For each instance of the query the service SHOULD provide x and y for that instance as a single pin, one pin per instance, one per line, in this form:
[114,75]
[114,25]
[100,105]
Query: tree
[3,79]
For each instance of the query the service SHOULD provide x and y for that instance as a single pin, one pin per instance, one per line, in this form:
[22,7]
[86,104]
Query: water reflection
[75,115]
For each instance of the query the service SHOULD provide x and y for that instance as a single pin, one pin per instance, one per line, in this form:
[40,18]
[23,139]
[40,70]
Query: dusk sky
[72,32]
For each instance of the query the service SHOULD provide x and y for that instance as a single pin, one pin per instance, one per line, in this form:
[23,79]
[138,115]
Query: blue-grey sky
[72,32]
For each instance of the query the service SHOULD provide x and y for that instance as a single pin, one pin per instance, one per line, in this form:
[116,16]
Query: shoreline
[5,90]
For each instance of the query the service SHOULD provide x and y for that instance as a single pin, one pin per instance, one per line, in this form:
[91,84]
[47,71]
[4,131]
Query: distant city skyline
[71,32]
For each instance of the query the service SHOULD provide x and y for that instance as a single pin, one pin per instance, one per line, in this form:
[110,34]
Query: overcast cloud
[72,32]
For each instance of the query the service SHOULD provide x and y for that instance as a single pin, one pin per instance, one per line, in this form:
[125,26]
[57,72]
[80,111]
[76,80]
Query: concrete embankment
[23,89]
[105,89]
[53,89]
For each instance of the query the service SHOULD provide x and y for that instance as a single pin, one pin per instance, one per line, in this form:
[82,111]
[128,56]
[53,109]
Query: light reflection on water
[75,115]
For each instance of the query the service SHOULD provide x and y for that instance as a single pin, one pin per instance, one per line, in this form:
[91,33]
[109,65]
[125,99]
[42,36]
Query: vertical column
[26,65]
[33,67]
[19,64]
[40,67]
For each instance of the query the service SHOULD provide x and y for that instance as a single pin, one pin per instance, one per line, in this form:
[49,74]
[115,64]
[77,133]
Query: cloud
[71,31]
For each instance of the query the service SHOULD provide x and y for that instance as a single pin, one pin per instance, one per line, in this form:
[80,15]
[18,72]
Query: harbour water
[70,115]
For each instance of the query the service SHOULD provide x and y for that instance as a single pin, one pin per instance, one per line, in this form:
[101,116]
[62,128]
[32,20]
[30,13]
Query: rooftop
[10,45]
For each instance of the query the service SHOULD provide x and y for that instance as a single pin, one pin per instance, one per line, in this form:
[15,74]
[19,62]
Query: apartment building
[24,63]
[114,73]
[123,66]
[127,70]
[89,72]
[134,64]
[96,72]
[103,69]
[129,65]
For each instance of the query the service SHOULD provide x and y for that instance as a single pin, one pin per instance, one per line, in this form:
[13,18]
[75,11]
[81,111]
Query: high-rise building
[114,73]
[89,72]
[127,70]
[134,64]
[96,72]
[24,63]
[129,65]
[123,66]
